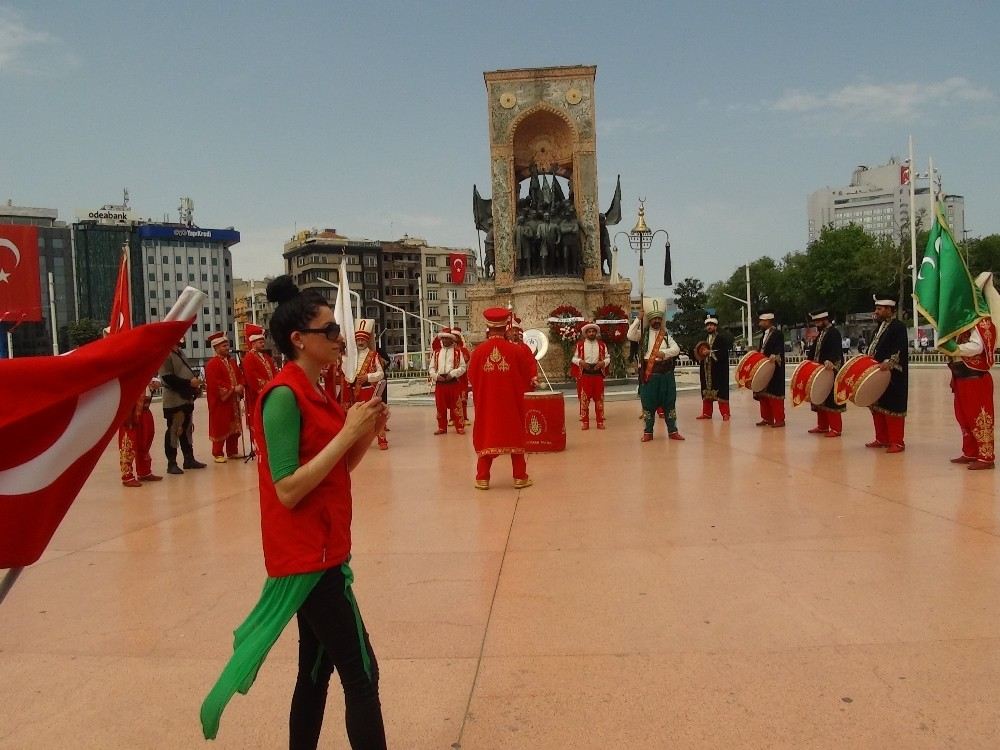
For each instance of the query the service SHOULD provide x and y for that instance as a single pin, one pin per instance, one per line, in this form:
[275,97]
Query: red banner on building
[20,295]
[458,263]
[904,175]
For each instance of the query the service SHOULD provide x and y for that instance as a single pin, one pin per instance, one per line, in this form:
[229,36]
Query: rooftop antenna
[186,211]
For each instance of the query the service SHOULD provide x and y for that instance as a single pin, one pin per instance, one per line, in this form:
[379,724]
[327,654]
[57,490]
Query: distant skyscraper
[878,201]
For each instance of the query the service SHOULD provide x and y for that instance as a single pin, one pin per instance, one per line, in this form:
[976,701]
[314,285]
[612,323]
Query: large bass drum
[754,371]
[811,382]
[860,381]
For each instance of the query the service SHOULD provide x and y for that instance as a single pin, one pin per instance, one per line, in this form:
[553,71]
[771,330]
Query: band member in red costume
[258,370]
[369,370]
[500,374]
[446,370]
[591,357]
[972,383]
[224,386]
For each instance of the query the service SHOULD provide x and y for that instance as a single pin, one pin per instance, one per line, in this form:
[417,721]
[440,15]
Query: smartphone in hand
[379,389]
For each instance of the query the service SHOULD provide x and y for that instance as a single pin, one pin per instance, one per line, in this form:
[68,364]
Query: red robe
[221,376]
[531,362]
[500,373]
[258,370]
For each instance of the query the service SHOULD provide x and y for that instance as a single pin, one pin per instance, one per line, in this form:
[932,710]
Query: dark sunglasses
[330,330]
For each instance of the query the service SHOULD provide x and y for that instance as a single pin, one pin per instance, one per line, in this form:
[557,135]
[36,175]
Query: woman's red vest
[316,533]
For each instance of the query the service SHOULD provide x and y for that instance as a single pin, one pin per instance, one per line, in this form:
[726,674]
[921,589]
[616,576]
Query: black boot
[190,463]
[173,468]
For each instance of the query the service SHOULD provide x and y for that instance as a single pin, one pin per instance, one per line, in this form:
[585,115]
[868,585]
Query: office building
[878,201]
[55,256]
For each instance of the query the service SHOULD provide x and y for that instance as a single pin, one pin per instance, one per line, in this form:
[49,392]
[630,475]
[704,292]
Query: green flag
[945,292]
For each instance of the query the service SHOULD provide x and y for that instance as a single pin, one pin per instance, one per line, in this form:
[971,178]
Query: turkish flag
[20,293]
[904,175]
[59,414]
[121,306]
[458,263]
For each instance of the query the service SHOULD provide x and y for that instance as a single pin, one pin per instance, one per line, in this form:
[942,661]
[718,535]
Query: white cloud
[882,102]
[27,50]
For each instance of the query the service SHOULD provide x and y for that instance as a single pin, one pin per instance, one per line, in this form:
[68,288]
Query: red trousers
[520,466]
[772,410]
[448,398]
[889,429]
[706,407]
[830,420]
[974,412]
[591,390]
[133,447]
[231,444]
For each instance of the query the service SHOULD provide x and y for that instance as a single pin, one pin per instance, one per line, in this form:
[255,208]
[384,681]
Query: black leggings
[327,625]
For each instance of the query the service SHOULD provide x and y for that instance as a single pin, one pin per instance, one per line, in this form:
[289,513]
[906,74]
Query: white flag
[344,315]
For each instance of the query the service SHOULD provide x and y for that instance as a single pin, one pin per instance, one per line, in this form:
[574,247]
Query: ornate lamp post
[640,239]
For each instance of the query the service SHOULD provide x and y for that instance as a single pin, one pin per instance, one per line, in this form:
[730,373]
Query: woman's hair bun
[281,289]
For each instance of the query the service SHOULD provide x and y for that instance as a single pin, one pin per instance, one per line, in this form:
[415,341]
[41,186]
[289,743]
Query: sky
[371,118]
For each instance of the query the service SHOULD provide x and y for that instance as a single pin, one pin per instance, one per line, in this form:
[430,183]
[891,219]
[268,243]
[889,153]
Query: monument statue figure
[610,218]
[482,215]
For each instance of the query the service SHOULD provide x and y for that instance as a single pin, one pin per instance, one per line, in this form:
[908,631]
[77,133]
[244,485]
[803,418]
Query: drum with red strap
[754,371]
[860,381]
[811,382]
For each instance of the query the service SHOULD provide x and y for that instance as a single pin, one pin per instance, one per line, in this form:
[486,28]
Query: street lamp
[640,239]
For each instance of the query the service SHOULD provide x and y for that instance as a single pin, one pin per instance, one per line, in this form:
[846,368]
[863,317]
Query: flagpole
[911,175]
[52,314]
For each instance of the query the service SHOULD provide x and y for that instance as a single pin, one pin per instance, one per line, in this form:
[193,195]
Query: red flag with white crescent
[20,289]
[59,415]
[121,307]
[458,263]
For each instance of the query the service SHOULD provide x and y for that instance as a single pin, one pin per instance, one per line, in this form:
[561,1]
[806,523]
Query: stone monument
[545,246]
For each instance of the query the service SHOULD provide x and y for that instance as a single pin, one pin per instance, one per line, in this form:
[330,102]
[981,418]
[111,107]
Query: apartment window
[215,277]
[152,311]
[204,311]
[218,311]
[166,277]
[180,276]
[204,260]
[431,261]
[177,258]
[371,261]
[150,259]
[371,278]
[191,259]
[447,280]
[190,277]
[432,278]
[215,261]
[432,294]
[399,274]
[227,262]
[152,277]
[204,277]
[432,312]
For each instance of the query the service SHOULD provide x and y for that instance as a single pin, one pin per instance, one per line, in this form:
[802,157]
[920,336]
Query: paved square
[748,588]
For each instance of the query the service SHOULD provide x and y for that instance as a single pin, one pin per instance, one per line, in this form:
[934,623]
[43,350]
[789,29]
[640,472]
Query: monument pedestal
[534,298]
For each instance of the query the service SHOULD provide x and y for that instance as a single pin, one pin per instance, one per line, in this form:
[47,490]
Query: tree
[983,253]
[84,331]
[688,325]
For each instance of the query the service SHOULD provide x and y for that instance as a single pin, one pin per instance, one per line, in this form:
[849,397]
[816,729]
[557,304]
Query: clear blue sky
[371,117]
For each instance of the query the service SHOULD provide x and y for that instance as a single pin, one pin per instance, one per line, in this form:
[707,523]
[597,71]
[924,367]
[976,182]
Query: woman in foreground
[309,447]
